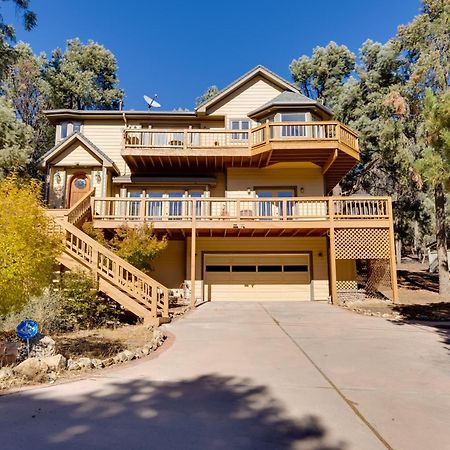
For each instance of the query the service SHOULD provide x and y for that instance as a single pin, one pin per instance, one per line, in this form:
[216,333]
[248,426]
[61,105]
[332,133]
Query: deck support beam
[393,262]
[332,262]
[193,251]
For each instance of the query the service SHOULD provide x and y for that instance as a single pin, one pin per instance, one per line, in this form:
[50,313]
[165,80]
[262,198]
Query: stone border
[50,369]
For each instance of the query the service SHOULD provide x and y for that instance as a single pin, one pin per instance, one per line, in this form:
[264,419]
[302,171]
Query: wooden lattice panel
[362,243]
[347,285]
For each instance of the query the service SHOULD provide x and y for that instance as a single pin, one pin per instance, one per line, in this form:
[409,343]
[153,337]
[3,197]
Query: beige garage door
[257,277]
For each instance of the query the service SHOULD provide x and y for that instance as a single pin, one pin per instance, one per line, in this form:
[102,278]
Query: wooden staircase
[118,279]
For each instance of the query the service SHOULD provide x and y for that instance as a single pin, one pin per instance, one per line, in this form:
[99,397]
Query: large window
[274,208]
[240,124]
[294,130]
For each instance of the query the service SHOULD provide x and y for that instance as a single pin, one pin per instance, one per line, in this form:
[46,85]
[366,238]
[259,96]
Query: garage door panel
[259,292]
[257,276]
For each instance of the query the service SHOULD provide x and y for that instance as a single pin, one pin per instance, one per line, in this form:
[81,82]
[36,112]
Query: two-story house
[241,188]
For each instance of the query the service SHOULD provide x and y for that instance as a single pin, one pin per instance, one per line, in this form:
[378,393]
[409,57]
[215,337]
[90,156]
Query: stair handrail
[116,270]
[81,207]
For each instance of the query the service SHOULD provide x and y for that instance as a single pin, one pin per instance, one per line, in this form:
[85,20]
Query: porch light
[98,177]
[58,177]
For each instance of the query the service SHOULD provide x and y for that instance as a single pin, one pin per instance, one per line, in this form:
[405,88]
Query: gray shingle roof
[289,99]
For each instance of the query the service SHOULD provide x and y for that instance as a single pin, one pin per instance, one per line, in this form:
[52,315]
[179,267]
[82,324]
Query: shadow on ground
[433,315]
[418,280]
[209,412]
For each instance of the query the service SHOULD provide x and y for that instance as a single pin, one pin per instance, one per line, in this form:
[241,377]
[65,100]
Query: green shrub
[83,305]
[137,245]
[46,309]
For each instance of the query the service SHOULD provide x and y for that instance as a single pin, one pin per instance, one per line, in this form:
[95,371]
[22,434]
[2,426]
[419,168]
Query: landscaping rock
[97,363]
[32,369]
[9,352]
[146,349]
[55,363]
[73,365]
[108,362]
[5,373]
[84,363]
[42,346]
[129,355]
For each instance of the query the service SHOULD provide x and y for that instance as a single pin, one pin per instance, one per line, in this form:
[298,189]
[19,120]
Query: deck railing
[80,209]
[106,264]
[186,139]
[240,209]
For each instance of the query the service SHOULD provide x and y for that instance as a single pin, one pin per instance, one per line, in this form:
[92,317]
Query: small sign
[27,329]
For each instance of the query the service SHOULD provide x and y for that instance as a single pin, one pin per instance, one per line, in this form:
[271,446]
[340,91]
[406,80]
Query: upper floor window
[293,117]
[67,128]
[240,124]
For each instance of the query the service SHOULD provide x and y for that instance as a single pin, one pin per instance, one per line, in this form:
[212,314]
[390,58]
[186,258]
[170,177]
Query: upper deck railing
[149,209]
[194,139]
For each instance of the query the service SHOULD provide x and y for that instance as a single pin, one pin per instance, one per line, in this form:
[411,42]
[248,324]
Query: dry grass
[103,342]
[419,297]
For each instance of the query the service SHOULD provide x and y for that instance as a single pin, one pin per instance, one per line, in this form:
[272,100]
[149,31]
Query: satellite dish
[151,101]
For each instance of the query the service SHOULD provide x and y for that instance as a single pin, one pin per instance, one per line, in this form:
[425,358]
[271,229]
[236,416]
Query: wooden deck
[244,216]
[330,145]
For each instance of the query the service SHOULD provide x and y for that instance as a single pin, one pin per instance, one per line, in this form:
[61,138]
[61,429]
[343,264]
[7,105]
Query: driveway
[254,376]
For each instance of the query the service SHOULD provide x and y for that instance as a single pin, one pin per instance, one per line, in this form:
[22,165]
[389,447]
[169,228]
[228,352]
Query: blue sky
[178,48]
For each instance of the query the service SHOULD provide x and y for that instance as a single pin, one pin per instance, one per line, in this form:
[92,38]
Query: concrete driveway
[254,376]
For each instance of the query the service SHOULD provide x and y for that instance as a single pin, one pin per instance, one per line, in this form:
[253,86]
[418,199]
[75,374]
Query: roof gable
[258,71]
[55,153]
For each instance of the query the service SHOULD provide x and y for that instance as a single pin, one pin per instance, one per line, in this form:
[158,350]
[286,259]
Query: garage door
[257,277]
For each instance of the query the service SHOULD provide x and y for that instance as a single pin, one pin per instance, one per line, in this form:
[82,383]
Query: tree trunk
[398,248]
[441,239]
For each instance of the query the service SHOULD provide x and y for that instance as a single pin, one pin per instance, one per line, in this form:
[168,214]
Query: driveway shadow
[208,412]
[432,315]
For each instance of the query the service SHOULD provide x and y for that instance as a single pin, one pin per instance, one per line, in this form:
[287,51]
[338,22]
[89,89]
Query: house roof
[290,99]
[258,70]
[69,140]
[55,115]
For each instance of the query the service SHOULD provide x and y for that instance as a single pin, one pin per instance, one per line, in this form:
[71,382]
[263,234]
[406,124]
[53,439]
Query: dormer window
[67,128]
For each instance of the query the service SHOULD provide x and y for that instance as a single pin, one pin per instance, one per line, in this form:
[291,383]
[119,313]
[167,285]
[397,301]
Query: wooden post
[193,251]
[393,263]
[332,254]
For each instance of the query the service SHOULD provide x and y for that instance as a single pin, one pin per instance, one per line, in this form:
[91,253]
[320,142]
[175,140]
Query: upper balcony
[330,145]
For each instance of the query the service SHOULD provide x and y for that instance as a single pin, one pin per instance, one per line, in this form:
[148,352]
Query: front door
[79,187]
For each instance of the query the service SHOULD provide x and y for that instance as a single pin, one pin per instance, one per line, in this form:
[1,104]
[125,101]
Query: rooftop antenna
[151,102]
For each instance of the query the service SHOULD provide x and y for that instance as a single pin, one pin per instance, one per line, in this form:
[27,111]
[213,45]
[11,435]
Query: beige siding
[170,266]
[310,179]
[107,136]
[76,155]
[346,274]
[316,245]
[246,99]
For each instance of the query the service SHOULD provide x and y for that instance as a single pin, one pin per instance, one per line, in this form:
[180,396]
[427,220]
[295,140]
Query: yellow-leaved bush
[27,251]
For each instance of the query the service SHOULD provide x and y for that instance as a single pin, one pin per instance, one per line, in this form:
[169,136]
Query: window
[293,130]
[64,130]
[240,124]
[272,268]
[217,268]
[243,268]
[76,127]
[67,128]
[274,208]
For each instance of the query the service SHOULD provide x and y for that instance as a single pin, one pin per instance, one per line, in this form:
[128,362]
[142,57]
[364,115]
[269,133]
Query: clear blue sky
[178,48]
